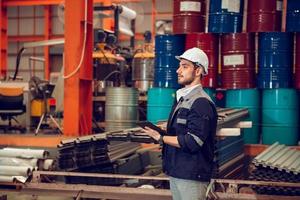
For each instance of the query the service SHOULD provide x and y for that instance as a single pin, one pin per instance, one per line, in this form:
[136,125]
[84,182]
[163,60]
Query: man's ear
[199,71]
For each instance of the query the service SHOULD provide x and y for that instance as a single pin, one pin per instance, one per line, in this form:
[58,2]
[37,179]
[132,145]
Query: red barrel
[297,65]
[264,15]
[238,60]
[189,16]
[209,43]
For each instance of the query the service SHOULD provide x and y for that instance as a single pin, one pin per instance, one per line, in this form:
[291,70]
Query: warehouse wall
[26,22]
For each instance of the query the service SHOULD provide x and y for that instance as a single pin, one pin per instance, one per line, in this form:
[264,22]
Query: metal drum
[209,43]
[225,16]
[275,60]
[189,16]
[280,118]
[166,48]
[159,104]
[297,65]
[238,60]
[264,15]
[143,71]
[247,98]
[121,108]
[293,16]
[211,93]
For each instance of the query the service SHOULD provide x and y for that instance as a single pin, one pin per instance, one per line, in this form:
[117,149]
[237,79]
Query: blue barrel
[280,117]
[293,16]
[225,16]
[166,48]
[247,98]
[275,60]
[211,93]
[159,103]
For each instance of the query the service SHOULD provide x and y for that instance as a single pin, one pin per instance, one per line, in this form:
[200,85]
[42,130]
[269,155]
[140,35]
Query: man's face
[187,72]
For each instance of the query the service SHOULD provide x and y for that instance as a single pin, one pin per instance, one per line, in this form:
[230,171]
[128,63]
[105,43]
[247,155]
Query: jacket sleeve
[198,126]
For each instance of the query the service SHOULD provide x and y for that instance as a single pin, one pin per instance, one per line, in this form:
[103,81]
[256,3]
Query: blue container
[222,6]
[166,78]
[280,117]
[166,48]
[293,16]
[211,93]
[159,103]
[247,98]
[225,23]
[275,60]
[225,17]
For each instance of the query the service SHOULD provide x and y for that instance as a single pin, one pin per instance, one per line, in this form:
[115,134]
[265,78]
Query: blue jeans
[183,189]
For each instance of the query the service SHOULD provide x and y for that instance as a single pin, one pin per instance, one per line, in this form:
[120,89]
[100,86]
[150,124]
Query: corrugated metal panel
[279,157]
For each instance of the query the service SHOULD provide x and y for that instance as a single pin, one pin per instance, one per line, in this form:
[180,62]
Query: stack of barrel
[279,100]
[279,116]
[275,72]
[162,95]
[189,17]
[238,78]
[237,63]
[256,66]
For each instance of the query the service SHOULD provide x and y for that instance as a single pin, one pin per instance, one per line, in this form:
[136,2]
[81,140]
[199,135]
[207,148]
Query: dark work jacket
[193,120]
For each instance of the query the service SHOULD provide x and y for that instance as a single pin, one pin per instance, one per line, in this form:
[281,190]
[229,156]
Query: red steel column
[3,40]
[78,88]
[47,33]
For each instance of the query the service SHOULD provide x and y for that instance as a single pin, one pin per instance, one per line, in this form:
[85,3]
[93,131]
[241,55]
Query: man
[188,145]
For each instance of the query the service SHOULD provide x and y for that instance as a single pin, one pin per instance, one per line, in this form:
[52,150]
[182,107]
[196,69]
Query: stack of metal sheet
[90,151]
[230,160]
[277,163]
[17,164]
[94,154]
[227,118]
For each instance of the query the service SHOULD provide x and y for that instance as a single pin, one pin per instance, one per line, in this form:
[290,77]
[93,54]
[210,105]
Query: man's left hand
[152,133]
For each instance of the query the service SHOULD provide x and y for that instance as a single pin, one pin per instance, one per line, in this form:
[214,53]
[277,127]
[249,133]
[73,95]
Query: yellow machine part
[104,56]
[147,51]
[11,91]
[37,107]
[144,55]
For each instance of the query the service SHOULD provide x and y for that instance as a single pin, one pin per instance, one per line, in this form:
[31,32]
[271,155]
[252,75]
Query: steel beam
[47,33]
[78,68]
[53,2]
[38,174]
[244,196]
[247,182]
[91,191]
[3,40]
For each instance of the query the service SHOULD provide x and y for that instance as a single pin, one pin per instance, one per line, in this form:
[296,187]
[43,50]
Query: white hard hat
[196,56]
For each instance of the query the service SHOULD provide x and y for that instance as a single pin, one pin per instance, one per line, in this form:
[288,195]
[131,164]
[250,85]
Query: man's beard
[187,81]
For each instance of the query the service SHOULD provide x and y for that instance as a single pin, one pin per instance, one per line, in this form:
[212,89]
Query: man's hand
[152,133]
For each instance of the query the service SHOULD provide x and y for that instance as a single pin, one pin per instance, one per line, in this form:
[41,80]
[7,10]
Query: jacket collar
[195,91]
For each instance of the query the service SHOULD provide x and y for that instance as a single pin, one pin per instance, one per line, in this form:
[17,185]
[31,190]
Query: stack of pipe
[17,165]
